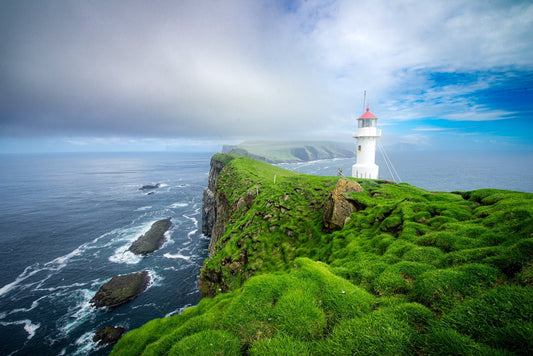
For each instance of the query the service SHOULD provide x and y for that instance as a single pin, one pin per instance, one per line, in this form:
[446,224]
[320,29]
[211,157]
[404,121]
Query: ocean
[441,171]
[67,220]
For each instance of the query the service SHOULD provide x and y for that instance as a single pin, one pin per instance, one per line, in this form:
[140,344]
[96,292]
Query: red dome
[368,115]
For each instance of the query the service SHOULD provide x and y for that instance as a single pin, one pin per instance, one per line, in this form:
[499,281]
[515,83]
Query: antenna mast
[364,101]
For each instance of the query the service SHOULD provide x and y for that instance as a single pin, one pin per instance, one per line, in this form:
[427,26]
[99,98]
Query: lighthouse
[367,134]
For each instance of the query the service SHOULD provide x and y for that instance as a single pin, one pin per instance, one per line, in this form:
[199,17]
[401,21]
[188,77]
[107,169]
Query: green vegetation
[411,272]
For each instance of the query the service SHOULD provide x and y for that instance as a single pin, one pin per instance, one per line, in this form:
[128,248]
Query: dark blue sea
[67,220]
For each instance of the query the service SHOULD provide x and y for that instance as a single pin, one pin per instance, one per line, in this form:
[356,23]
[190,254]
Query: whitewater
[66,224]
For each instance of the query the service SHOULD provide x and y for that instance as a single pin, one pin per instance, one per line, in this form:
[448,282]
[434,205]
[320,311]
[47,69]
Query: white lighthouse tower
[367,134]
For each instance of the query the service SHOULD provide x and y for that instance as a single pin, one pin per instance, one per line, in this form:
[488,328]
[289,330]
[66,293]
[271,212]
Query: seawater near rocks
[153,239]
[121,289]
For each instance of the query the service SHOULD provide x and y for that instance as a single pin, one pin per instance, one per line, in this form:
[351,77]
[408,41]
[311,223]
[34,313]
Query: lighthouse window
[367,123]
[359,148]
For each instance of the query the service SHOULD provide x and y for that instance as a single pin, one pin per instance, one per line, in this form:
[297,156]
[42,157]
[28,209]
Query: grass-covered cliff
[307,265]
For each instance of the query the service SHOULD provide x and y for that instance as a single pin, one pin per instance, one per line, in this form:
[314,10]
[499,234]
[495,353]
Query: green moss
[428,255]
[443,289]
[280,345]
[501,318]
[298,314]
[208,342]
[400,277]
[411,272]
[377,333]
[445,341]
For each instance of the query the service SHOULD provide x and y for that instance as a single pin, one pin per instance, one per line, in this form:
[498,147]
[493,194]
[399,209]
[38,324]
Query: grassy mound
[411,272]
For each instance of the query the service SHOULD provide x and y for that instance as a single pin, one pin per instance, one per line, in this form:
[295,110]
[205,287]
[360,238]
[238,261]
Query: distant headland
[290,151]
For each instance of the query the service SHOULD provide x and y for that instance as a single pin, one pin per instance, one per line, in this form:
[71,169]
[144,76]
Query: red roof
[368,115]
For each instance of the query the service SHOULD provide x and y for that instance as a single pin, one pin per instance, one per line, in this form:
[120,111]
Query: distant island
[290,151]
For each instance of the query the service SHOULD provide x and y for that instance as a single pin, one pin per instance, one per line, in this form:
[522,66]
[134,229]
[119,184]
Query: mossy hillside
[276,217]
[411,272]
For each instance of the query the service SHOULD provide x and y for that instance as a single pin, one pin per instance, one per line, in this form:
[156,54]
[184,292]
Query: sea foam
[178,205]
[29,326]
[178,311]
[78,314]
[168,255]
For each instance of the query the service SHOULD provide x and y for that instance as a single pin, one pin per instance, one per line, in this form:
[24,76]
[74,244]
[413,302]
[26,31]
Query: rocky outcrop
[108,335]
[338,208]
[215,208]
[152,240]
[150,186]
[121,289]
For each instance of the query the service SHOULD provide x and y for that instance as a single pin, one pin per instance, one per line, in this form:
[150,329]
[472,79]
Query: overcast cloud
[245,69]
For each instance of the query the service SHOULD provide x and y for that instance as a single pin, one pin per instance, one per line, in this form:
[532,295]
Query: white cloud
[426,128]
[246,68]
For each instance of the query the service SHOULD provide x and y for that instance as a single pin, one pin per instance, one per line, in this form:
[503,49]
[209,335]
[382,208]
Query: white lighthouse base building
[365,171]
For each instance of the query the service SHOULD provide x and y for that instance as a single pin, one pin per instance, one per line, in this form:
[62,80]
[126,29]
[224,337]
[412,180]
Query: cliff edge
[214,203]
[313,265]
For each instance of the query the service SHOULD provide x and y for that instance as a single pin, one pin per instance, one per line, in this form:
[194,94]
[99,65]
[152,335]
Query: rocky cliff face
[245,212]
[215,206]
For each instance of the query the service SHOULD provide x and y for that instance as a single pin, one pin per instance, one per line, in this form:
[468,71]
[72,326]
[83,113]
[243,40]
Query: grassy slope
[412,272]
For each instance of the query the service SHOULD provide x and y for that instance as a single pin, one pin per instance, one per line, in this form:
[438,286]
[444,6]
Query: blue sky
[156,75]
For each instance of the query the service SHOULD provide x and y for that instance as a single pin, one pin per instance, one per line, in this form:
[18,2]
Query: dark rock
[338,208]
[209,211]
[149,186]
[215,208]
[152,240]
[108,335]
[121,289]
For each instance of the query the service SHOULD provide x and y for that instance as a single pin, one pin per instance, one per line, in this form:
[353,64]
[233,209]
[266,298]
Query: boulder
[152,240]
[108,335]
[121,289]
[337,208]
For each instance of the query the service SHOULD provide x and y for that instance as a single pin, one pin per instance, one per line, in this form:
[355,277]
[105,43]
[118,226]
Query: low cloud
[230,69]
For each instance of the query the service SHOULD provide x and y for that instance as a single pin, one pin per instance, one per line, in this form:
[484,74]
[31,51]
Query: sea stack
[153,239]
[121,289]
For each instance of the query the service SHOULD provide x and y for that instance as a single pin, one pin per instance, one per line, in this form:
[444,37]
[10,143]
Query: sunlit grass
[411,272]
